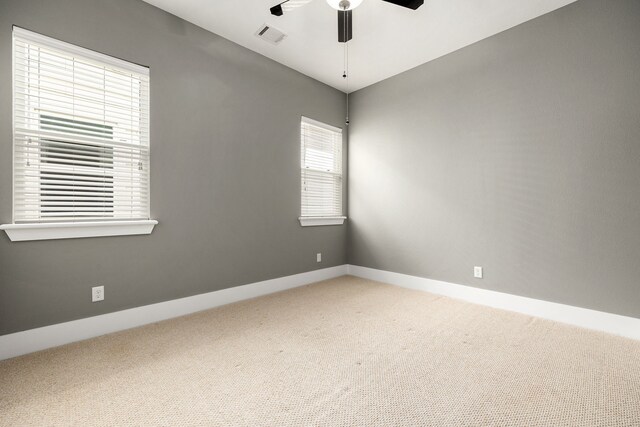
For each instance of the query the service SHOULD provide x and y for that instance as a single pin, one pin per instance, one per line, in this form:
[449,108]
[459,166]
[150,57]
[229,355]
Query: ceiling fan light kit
[344,4]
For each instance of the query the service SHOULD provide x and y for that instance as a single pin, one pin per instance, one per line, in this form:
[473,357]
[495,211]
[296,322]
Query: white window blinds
[81,133]
[321,160]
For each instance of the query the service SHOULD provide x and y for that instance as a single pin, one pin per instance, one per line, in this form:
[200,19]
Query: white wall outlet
[97,293]
[477,272]
[319,257]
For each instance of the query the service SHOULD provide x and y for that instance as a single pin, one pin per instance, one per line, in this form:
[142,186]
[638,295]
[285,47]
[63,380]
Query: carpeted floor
[345,352]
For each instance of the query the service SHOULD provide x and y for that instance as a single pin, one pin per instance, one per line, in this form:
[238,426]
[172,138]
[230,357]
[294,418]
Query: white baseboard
[25,342]
[20,343]
[591,319]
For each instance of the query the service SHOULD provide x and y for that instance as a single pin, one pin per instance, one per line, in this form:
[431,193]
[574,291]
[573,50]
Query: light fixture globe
[344,4]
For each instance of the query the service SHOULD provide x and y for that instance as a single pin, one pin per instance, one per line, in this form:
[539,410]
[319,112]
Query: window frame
[62,228]
[321,220]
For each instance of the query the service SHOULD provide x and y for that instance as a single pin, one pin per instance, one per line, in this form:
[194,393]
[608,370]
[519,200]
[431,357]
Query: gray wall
[225,170]
[520,153]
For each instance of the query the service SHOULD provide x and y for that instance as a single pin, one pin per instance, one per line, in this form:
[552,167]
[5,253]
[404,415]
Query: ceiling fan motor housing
[345,28]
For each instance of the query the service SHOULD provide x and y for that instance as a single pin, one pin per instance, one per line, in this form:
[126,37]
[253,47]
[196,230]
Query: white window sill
[74,230]
[313,221]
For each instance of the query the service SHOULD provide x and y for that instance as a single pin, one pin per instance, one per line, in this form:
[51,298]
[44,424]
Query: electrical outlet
[477,272]
[319,257]
[97,293]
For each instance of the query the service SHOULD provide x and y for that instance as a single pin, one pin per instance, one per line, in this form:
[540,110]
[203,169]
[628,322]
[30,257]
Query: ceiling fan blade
[287,6]
[276,10]
[411,4]
[345,27]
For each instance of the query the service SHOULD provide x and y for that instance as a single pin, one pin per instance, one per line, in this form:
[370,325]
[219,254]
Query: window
[80,137]
[321,172]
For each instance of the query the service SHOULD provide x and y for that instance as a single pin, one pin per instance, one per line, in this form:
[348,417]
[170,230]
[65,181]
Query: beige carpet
[345,352]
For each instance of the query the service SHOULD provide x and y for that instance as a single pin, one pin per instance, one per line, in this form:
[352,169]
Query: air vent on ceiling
[270,34]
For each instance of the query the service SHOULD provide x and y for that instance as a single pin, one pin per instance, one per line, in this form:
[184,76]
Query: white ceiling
[387,39]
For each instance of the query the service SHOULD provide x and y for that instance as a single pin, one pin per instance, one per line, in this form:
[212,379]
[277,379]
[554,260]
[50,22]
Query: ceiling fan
[344,8]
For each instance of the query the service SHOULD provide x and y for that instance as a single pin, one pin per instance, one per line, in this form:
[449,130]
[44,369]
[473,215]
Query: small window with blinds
[81,134]
[321,172]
